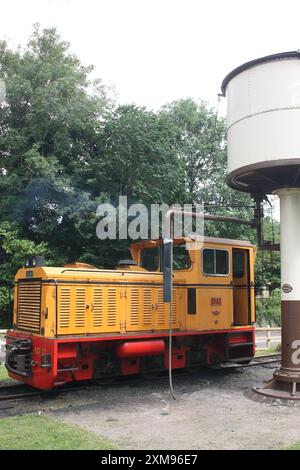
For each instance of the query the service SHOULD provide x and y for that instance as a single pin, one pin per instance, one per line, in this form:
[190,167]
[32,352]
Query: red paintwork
[130,366]
[238,338]
[215,348]
[178,357]
[41,378]
[79,352]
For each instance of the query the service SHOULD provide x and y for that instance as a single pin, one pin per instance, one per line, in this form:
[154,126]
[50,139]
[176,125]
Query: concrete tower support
[286,382]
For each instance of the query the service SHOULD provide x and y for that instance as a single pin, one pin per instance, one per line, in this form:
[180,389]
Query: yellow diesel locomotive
[78,322]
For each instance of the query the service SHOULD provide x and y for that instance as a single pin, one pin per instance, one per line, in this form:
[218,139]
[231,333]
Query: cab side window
[150,259]
[181,257]
[238,264]
[215,262]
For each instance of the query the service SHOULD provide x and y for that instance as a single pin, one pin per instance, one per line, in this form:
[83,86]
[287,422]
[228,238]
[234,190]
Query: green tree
[199,142]
[48,137]
[201,146]
[139,159]
[268,309]
[13,250]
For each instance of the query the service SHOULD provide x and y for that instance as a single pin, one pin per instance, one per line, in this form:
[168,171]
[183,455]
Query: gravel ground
[212,411]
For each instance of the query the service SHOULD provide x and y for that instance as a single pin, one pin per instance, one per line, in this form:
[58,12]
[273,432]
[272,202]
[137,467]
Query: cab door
[241,284]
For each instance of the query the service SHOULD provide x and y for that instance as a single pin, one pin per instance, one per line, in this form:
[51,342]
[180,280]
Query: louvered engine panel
[80,304]
[147,308]
[134,307]
[139,309]
[111,307]
[174,308]
[64,308]
[160,310]
[89,309]
[97,307]
[107,309]
[29,306]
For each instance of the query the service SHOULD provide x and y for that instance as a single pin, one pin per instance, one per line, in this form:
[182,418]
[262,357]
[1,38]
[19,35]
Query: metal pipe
[216,218]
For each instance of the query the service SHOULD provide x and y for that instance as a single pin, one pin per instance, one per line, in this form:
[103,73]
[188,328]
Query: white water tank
[263,123]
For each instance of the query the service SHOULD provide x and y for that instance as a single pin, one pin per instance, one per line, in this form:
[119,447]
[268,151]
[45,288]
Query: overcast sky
[155,51]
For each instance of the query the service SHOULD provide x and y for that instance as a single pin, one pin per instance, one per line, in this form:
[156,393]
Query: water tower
[263,131]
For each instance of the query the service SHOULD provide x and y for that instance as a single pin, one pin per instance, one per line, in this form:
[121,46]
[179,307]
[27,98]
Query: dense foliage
[268,309]
[66,146]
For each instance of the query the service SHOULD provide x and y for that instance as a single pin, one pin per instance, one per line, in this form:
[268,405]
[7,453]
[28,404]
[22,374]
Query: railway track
[14,391]
[17,391]
[256,361]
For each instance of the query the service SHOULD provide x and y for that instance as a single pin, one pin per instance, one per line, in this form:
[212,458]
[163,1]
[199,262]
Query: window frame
[215,249]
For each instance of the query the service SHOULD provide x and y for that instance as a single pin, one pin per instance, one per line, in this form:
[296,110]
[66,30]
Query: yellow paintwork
[79,300]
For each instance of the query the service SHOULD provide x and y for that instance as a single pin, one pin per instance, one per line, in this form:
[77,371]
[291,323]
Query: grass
[3,373]
[34,432]
[295,446]
[264,352]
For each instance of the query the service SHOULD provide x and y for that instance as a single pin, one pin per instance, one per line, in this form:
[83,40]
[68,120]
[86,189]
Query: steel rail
[267,359]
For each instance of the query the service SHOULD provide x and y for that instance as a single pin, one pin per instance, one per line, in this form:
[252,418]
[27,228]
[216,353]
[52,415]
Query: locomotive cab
[78,322]
[218,265]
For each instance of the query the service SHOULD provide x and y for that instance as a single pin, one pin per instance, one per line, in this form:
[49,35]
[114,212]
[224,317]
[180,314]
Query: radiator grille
[29,306]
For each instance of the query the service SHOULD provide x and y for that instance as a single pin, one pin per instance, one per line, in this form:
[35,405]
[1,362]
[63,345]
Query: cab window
[150,259]
[181,257]
[238,264]
[215,262]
